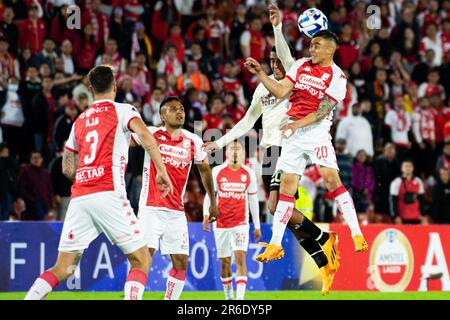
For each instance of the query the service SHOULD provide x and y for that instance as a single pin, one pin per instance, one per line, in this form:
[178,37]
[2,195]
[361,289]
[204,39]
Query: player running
[236,186]
[163,220]
[95,158]
[316,84]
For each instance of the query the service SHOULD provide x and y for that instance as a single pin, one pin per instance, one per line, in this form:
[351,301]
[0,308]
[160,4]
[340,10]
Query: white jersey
[273,113]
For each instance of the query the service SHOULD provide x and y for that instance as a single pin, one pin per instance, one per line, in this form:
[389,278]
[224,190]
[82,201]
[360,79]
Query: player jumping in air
[163,220]
[315,85]
[236,187]
[319,245]
[95,158]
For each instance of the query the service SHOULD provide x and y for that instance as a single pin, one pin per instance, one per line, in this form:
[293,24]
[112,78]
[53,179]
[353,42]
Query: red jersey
[311,83]
[177,154]
[101,137]
[399,187]
[313,174]
[233,188]
[213,121]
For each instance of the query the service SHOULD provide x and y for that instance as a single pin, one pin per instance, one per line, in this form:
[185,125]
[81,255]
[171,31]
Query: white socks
[175,284]
[241,284]
[345,205]
[227,284]
[281,217]
[135,285]
[42,286]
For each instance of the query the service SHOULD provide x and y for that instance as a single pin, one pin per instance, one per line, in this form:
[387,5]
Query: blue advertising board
[29,248]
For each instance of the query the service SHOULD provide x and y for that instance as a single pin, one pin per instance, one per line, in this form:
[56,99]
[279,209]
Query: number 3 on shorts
[321,152]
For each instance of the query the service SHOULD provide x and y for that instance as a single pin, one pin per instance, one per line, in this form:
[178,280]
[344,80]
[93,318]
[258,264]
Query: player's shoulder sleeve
[394,188]
[126,113]
[71,143]
[292,73]
[338,85]
[199,153]
[136,138]
[253,183]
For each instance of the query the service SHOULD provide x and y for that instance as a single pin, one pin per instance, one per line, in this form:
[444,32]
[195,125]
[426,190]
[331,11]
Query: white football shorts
[309,143]
[106,212]
[232,239]
[166,228]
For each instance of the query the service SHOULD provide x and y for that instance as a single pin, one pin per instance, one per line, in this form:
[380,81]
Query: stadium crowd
[391,132]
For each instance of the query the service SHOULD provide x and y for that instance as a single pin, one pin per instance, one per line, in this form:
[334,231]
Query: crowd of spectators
[391,132]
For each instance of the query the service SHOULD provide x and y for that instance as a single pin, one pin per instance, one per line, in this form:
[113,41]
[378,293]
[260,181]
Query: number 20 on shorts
[321,152]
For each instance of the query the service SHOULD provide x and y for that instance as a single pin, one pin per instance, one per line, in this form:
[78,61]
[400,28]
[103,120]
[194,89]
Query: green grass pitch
[256,295]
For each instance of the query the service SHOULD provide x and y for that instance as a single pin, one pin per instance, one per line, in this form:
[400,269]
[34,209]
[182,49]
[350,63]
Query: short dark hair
[328,35]
[167,100]
[101,78]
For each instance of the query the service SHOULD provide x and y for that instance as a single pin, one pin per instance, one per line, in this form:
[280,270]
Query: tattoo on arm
[324,108]
[70,164]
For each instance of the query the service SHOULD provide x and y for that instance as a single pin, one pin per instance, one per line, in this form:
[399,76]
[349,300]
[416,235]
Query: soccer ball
[311,21]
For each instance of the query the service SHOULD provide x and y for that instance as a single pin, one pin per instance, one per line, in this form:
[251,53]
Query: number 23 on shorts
[321,152]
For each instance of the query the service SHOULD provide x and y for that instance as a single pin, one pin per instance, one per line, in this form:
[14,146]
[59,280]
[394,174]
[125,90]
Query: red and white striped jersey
[232,189]
[423,124]
[311,83]
[101,138]
[177,154]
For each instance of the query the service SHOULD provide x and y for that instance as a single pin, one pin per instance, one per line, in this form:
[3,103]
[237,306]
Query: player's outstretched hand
[288,130]
[206,225]
[213,213]
[210,147]
[257,235]
[274,15]
[252,65]
[164,184]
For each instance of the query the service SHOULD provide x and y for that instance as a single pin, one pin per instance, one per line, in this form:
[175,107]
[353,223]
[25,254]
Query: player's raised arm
[278,89]
[150,145]
[282,47]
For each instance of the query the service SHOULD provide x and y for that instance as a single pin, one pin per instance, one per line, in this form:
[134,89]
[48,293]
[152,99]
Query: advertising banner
[400,258]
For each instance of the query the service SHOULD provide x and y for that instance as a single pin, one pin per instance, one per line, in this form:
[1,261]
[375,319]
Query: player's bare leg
[140,261]
[65,266]
[226,276]
[177,276]
[283,212]
[241,273]
[345,204]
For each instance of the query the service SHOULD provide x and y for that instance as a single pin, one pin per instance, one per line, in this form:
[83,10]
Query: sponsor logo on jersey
[243,178]
[88,173]
[312,81]
[173,151]
[391,261]
[233,186]
[307,69]
[93,110]
[224,179]
[163,138]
